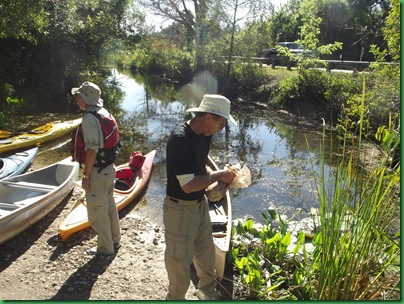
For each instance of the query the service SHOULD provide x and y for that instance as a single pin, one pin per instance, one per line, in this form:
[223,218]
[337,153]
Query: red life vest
[106,155]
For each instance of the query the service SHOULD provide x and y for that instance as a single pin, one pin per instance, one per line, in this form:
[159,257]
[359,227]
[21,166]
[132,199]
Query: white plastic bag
[216,191]
[243,176]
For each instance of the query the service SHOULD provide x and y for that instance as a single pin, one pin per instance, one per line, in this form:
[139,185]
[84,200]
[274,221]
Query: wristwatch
[86,176]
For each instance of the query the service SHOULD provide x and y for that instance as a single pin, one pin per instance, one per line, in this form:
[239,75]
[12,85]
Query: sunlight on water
[275,152]
[134,93]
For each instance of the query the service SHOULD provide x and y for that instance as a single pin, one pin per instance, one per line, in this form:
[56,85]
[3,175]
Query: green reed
[355,250]
[356,253]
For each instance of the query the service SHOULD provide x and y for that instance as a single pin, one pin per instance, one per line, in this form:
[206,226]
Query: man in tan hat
[91,148]
[188,231]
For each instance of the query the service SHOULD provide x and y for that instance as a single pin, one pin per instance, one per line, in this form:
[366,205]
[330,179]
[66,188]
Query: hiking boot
[214,296]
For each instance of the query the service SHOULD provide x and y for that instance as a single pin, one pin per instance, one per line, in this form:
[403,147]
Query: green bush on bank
[244,80]
[337,97]
[7,114]
[160,59]
[328,92]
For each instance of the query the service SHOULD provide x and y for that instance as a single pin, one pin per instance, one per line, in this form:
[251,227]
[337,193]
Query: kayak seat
[219,229]
[122,185]
[218,219]
[124,179]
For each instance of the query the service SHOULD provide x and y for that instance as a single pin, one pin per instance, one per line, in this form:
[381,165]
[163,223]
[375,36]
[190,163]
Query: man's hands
[85,184]
[204,181]
[227,175]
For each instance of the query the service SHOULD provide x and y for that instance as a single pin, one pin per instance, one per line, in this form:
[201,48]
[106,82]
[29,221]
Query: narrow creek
[281,151]
[278,149]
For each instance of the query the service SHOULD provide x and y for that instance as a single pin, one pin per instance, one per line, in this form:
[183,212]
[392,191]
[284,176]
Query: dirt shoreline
[36,265]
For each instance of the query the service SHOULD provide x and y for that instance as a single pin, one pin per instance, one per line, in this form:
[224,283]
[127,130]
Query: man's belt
[177,200]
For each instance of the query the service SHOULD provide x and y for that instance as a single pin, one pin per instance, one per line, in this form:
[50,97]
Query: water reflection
[273,145]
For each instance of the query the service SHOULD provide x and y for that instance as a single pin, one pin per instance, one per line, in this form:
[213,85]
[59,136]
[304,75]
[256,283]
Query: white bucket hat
[90,92]
[215,104]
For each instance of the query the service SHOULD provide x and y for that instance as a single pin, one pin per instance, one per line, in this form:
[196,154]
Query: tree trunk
[200,39]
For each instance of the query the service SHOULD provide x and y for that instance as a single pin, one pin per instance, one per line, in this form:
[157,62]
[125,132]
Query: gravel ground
[36,265]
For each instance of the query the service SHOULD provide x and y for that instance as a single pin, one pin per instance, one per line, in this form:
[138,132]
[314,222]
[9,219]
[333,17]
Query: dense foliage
[47,47]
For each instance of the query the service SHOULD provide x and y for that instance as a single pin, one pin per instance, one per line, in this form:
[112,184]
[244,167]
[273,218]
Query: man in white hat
[188,231]
[98,176]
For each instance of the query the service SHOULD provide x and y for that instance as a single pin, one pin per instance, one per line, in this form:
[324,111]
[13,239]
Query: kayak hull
[16,163]
[124,193]
[39,135]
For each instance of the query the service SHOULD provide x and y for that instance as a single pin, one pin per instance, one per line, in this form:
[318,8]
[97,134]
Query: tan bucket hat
[90,92]
[215,104]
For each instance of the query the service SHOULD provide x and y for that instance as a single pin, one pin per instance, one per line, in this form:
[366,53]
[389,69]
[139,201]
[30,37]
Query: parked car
[293,47]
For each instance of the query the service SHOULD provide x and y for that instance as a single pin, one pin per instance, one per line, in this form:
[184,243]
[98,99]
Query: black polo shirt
[187,153]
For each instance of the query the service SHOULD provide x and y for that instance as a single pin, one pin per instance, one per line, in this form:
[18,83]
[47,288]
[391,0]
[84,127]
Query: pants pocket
[173,217]
[176,246]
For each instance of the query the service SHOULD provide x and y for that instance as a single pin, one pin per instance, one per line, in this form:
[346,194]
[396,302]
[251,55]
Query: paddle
[40,130]
[6,134]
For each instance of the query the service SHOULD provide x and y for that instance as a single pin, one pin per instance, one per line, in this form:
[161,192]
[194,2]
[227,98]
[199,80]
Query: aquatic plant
[356,254]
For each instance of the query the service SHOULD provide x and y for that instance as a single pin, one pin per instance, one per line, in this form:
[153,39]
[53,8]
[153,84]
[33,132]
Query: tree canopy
[48,46]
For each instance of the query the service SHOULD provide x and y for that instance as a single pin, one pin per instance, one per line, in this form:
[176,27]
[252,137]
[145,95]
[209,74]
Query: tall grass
[354,249]
[356,253]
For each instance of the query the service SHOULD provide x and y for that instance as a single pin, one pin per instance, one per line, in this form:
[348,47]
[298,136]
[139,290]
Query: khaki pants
[101,209]
[188,237]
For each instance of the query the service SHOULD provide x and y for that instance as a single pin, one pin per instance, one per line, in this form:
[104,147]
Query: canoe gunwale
[221,239]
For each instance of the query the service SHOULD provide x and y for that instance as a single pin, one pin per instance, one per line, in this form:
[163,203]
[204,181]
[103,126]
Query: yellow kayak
[39,135]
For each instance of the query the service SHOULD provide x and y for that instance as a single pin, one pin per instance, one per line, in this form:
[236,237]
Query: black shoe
[117,245]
